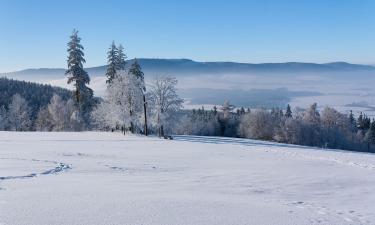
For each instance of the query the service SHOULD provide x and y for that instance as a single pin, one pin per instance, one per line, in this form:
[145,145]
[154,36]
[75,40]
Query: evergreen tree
[367,122]
[312,114]
[227,109]
[360,121]
[83,95]
[121,58]
[370,134]
[288,113]
[122,105]
[112,57]
[352,121]
[3,118]
[215,110]
[242,110]
[136,71]
[363,123]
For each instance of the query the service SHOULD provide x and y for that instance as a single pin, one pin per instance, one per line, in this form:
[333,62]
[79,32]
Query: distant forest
[37,95]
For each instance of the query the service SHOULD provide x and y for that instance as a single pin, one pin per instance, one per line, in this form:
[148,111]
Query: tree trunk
[161,131]
[158,120]
[132,127]
[145,114]
[131,123]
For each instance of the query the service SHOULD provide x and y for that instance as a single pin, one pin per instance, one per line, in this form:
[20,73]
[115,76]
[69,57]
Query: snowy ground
[106,178]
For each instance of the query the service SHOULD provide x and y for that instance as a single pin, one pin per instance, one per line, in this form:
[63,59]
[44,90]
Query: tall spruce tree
[370,135]
[352,121]
[112,57]
[83,95]
[121,58]
[288,112]
[136,70]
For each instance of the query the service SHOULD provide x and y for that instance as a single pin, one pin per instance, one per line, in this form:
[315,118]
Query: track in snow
[59,168]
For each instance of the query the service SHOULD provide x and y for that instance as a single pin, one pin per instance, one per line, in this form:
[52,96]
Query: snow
[107,178]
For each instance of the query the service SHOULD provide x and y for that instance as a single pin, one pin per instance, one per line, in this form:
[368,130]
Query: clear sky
[34,33]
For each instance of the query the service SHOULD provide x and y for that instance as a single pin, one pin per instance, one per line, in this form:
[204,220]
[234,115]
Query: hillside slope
[106,178]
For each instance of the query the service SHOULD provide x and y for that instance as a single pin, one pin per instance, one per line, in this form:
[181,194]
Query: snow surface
[107,178]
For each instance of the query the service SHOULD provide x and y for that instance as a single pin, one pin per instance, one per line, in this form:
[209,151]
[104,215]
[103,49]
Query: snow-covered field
[106,178]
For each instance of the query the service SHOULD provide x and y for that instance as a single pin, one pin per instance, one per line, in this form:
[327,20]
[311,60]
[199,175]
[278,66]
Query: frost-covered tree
[104,116]
[136,71]
[129,87]
[83,95]
[164,100]
[352,121]
[19,114]
[330,117]
[292,131]
[121,58]
[112,67]
[288,112]
[227,109]
[59,114]
[122,104]
[363,123]
[3,118]
[312,114]
[199,122]
[75,122]
[370,135]
[334,127]
[44,122]
[257,124]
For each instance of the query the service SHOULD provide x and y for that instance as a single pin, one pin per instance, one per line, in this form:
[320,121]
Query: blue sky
[34,33]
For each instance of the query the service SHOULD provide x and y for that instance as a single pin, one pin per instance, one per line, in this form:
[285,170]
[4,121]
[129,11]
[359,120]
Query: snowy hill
[106,178]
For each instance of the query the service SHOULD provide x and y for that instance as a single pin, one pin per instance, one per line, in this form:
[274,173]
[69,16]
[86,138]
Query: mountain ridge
[188,66]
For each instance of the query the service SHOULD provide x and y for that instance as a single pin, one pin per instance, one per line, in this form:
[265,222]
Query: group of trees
[58,115]
[126,106]
[215,122]
[127,103]
[21,102]
[327,128]
[37,95]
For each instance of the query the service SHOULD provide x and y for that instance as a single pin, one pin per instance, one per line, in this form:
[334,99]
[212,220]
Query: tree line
[327,128]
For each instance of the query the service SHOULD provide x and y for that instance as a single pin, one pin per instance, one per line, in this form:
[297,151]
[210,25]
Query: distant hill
[244,84]
[184,67]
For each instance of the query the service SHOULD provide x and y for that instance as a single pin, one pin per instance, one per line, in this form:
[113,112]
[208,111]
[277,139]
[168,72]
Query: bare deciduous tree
[165,100]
